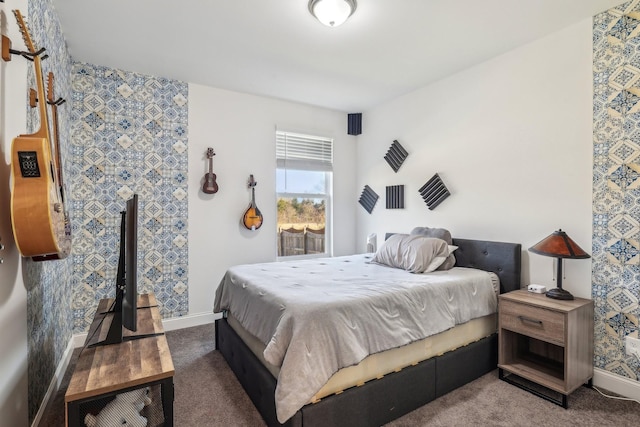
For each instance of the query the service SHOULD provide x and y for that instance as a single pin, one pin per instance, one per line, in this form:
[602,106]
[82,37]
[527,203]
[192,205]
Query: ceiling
[275,48]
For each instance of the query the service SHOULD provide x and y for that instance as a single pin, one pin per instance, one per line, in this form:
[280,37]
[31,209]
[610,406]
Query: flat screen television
[130,293]
[123,312]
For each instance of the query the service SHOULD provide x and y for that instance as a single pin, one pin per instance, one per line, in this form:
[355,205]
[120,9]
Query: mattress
[316,317]
[380,364]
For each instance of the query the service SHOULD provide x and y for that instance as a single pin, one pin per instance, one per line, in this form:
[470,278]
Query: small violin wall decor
[210,186]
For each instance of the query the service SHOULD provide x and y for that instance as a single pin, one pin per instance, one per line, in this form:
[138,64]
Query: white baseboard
[54,385]
[78,339]
[190,321]
[617,384]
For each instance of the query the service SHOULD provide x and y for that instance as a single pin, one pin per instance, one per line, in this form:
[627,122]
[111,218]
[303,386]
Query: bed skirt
[372,404]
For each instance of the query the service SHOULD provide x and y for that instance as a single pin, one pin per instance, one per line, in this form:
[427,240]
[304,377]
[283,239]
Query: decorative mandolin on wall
[38,216]
[252,219]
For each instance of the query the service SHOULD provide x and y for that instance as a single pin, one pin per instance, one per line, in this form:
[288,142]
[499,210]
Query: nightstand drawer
[536,322]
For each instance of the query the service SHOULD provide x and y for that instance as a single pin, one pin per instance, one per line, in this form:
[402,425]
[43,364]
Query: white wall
[13,295]
[512,140]
[241,130]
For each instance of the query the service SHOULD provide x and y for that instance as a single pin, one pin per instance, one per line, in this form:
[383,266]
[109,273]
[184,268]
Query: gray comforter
[318,316]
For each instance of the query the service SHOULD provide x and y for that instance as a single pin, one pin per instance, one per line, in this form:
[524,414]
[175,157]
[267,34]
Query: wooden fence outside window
[296,241]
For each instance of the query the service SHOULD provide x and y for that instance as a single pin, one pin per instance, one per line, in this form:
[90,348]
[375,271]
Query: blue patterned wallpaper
[616,186]
[129,135]
[49,317]
[120,133]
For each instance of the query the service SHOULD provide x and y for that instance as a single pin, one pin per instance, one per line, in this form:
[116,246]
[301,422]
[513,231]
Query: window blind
[303,152]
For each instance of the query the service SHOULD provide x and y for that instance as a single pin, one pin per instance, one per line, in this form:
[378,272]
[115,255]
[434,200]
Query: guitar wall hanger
[58,102]
[7,51]
[33,99]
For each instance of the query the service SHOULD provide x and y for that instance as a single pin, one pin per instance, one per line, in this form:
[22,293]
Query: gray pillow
[416,254]
[438,233]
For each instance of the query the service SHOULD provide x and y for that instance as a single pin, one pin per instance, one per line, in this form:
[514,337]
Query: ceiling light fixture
[332,12]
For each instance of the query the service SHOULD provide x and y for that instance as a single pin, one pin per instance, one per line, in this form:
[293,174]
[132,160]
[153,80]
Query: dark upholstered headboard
[502,258]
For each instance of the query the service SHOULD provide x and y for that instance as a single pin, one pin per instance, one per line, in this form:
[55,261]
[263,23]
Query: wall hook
[7,51]
[57,102]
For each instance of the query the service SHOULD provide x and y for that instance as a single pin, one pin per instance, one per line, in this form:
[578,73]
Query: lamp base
[559,293]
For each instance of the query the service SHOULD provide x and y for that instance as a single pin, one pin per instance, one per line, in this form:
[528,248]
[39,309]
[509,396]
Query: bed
[374,401]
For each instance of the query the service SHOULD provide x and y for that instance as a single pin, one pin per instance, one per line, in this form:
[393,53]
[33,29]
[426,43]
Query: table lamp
[560,246]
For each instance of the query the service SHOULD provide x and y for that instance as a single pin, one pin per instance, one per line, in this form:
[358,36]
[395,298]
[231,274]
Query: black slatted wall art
[368,198]
[433,192]
[395,197]
[396,155]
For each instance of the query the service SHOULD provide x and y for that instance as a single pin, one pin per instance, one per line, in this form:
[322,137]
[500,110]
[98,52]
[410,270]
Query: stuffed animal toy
[124,410]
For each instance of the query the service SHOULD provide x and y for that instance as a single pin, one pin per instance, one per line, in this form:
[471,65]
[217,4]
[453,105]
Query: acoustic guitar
[210,186]
[252,219]
[37,207]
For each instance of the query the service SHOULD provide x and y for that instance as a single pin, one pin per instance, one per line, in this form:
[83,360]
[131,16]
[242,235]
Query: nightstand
[546,341]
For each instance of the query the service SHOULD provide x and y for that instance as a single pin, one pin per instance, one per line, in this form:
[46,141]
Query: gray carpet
[208,394]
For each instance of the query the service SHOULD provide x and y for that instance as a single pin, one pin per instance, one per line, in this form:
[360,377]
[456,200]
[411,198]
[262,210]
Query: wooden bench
[105,371]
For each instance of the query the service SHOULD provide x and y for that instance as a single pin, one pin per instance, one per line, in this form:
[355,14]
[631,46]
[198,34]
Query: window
[303,191]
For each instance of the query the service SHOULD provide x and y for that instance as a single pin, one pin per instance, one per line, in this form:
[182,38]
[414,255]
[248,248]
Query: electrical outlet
[632,346]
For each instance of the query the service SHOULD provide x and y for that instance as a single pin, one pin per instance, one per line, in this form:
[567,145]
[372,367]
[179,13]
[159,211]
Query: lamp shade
[559,245]
[332,12]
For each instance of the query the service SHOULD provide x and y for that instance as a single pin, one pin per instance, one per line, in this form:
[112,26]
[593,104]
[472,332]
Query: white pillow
[416,254]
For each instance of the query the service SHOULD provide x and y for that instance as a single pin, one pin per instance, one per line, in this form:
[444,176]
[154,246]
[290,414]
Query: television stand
[101,373]
[125,339]
[109,310]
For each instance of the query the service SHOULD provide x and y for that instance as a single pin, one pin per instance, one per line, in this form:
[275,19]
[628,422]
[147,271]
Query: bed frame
[382,400]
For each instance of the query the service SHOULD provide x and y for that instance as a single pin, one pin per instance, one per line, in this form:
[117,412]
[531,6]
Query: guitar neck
[43,132]
[56,141]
